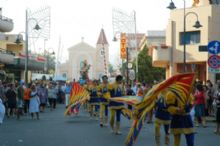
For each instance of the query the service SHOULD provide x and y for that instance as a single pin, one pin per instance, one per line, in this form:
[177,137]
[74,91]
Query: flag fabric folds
[78,96]
[130,100]
[180,83]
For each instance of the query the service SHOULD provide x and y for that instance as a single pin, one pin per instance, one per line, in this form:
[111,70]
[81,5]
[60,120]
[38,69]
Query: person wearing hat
[104,92]
[116,107]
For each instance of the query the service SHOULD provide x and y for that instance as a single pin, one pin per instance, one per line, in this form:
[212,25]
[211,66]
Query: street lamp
[19,41]
[127,71]
[37,27]
[196,25]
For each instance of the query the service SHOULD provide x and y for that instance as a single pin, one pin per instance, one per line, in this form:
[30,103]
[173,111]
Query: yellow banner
[123,46]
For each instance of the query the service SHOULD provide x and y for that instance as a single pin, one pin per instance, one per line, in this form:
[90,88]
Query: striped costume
[162,117]
[116,107]
[104,92]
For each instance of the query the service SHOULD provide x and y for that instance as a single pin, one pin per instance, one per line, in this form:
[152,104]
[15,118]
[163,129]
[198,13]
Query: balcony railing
[32,64]
[6,24]
[6,57]
[161,56]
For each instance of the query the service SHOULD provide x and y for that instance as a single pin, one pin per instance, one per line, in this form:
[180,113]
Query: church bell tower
[102,54]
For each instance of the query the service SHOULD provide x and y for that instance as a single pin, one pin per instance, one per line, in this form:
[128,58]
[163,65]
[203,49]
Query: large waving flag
[130,100]
[78,96]
[182,84]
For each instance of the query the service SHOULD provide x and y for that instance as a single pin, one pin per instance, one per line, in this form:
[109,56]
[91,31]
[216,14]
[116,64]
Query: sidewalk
[210,119]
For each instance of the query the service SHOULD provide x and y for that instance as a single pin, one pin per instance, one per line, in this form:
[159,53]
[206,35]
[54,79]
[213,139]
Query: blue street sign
[214,47]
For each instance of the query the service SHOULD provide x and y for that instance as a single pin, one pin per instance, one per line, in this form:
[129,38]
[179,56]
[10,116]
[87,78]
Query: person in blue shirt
[67,93]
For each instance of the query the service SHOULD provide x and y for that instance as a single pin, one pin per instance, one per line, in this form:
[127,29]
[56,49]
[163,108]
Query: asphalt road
[53,129]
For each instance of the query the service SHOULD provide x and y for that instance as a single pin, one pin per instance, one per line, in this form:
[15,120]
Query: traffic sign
[214,47]
[131,74]
[129,65]
[214,61]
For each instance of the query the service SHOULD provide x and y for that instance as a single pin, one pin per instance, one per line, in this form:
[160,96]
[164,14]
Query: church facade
[97,59]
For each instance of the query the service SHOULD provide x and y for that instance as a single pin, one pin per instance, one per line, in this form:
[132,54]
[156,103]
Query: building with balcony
[12,57]
[154,39]
[171,55]
[12,60]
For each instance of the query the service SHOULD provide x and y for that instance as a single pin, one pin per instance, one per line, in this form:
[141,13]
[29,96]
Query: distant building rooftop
[156,33]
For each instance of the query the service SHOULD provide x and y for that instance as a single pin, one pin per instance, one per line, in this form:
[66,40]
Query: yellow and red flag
[130,100]
[181,83]
[78,96]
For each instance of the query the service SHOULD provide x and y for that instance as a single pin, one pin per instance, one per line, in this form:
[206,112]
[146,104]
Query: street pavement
[53,129]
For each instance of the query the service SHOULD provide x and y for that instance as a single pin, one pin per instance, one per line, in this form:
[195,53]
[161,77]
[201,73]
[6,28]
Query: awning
[59,78]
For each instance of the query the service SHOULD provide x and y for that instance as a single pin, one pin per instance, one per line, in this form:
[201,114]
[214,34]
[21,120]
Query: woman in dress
[34,102]
[43,95]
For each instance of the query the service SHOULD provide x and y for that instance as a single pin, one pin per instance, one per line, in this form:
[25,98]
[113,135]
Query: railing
[3,51]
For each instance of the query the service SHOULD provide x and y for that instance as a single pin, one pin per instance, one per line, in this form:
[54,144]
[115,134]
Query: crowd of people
[207,103]
[20,99]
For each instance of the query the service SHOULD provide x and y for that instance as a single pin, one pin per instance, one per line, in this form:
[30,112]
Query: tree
[111,69]
[50,62]
[146,72]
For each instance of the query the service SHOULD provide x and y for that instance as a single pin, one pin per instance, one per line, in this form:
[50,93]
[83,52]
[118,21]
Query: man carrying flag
[116,107]
[181,122]
[104,91]
[178,99]
[162,117]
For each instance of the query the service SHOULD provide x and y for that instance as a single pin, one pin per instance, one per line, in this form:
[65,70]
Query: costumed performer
[94,100]
[181,122]
[104,91]
[116,107]
[162,117]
